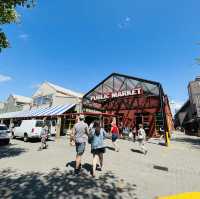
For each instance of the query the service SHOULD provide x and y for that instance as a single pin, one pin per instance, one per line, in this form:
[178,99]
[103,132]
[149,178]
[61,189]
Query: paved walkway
[26,172]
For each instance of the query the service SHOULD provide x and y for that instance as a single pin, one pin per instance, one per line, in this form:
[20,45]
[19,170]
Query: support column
[58,127]
[11,124]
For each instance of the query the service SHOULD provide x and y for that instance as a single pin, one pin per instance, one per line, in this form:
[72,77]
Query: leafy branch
[8,15]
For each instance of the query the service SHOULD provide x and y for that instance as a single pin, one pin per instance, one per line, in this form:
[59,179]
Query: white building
[49,102]
[49,95]
[1,106]
[17,103]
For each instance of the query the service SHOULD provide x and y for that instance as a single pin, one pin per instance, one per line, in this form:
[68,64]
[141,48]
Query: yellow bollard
[192,195]
[167,140]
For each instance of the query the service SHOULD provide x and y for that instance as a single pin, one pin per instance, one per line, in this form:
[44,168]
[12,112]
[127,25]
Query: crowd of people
[94,134]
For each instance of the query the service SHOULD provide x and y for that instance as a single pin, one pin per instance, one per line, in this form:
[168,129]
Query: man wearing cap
[81,137]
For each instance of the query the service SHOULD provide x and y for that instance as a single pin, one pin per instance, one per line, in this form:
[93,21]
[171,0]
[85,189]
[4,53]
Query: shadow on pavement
[86,166]
[32,140]
[10,151]
[193,141]
[35,140]
[162,144]
[110,148]
[59,185]
[136,151]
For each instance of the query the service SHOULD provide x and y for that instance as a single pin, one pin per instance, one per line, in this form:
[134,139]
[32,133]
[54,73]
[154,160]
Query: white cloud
[128,19]
[175,106]
[4,78]
[125,23]
[24,36]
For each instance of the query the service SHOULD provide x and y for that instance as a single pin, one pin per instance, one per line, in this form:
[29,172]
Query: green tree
[8,15]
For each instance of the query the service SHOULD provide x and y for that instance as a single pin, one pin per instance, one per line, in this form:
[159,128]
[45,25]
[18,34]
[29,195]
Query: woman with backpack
[97,135]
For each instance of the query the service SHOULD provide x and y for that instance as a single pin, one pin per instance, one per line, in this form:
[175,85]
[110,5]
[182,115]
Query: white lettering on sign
[137,91]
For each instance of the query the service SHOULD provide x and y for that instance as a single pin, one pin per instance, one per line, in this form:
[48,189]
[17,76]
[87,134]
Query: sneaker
[98,168]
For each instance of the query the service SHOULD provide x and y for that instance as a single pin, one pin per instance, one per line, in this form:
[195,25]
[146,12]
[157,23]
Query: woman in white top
[141,139]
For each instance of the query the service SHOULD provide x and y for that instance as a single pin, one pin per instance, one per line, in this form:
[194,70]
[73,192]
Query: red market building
[132,101]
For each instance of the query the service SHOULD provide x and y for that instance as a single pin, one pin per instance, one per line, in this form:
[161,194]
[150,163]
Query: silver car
[4,134]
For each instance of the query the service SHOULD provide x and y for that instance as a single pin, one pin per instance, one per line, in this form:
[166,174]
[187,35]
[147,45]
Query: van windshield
[3,128]
[39,124]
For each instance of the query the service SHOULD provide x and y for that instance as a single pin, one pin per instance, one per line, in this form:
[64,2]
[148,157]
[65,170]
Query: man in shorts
[80,137]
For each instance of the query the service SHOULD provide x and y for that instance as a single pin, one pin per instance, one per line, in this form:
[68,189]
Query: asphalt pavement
[27,172]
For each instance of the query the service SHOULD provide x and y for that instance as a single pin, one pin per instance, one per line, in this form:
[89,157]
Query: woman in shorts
[97,146]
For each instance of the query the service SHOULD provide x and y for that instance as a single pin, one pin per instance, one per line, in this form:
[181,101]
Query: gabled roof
[65,91]
[22,99]
[118,82]
[182,109]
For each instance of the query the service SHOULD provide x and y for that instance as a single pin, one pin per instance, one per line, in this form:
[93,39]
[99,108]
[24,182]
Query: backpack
[90,138]
[91,135]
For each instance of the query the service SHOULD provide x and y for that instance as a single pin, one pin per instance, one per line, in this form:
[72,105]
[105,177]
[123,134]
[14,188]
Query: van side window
[39,124]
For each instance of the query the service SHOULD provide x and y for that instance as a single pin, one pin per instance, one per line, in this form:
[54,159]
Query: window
[39,124]
[38,101]
[47,99]
[3,128]
[20,105]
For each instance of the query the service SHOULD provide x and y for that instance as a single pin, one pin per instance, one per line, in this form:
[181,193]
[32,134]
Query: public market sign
[137,91]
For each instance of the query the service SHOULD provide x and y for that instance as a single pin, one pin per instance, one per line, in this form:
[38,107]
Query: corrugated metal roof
[64,90]
[22,99]
[50,111]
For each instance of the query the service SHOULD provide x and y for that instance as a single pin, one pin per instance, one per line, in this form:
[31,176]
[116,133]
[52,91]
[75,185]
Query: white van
[28,129]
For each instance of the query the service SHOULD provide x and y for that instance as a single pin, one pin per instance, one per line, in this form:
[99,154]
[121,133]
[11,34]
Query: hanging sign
[137,91]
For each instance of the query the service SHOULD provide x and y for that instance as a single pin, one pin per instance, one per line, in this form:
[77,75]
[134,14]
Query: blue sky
[77,43]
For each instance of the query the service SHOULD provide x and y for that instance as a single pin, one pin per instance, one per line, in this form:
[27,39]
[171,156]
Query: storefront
[132,101]
[58,118]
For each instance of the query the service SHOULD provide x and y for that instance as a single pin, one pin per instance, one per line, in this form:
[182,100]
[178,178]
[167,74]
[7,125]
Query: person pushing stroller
[44,137]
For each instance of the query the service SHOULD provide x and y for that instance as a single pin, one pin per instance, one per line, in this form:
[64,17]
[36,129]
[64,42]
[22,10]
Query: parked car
[28,129]
[4,134]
